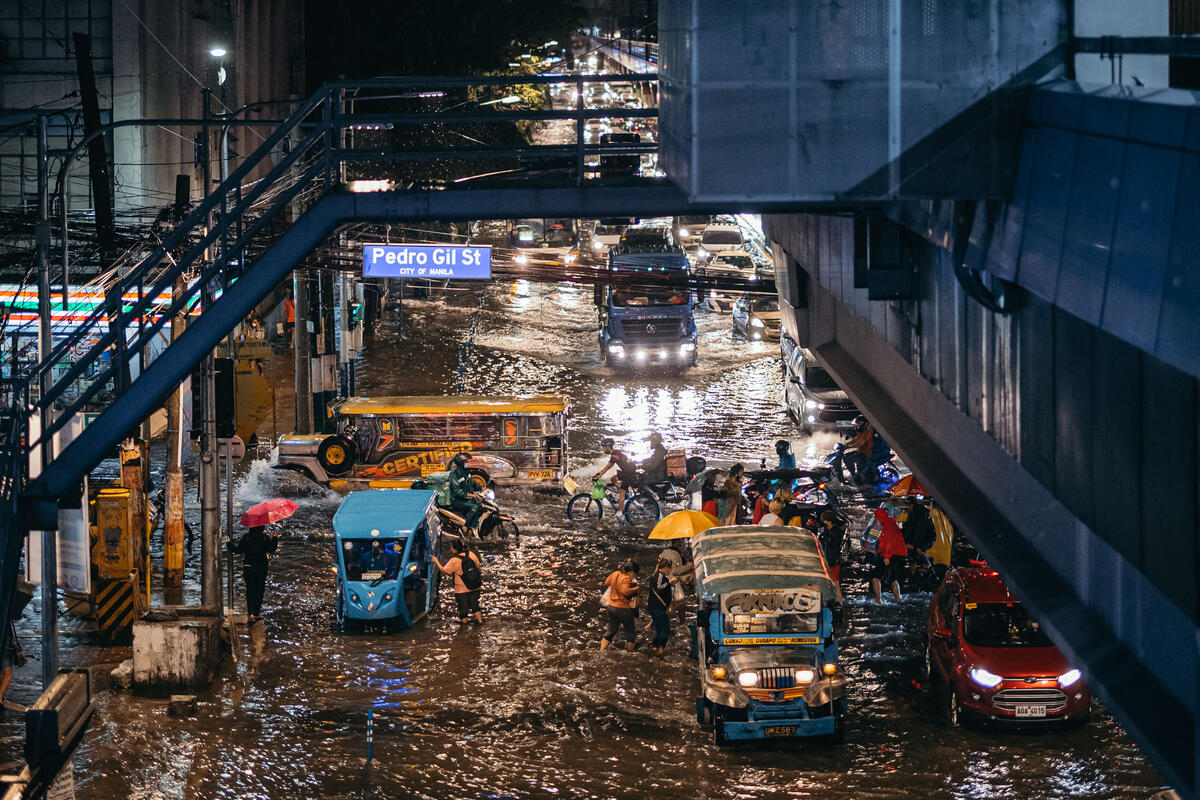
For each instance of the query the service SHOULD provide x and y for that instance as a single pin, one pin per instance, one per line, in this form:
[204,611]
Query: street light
[219,52]
[508,100]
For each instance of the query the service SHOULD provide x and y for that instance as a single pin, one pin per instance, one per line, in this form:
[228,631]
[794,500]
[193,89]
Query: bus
[388,442]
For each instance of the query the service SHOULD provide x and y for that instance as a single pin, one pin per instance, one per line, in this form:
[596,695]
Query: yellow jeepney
[392,441]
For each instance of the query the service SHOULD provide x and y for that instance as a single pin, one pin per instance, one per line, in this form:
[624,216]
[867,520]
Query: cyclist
[626,475]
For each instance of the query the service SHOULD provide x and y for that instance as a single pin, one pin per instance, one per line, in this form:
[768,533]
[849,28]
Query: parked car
[756,317]
[814,400]
[992,659]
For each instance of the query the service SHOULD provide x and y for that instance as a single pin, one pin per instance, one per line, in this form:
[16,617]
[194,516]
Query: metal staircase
[257,230]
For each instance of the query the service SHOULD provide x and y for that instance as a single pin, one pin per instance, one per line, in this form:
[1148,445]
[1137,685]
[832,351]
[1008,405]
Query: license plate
[781,730]
[1026,710]
[541,474]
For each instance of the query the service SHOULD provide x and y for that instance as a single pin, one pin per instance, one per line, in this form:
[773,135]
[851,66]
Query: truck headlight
[686,348]
[805,675]
[640,355]
[984,678]
[757,323]
[748,678]
[616,348]
[1069,678]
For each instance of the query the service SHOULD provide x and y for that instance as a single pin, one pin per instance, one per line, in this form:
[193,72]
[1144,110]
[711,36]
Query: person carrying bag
[620,604]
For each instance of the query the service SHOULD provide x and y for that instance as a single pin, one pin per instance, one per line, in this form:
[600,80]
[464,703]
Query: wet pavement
[526,705]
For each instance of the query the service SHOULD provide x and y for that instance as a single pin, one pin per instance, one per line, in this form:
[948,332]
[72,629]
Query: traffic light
[356,315]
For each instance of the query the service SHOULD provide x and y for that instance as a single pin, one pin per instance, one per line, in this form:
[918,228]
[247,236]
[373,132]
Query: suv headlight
[983,677]
[748,678]
[1069,677]
[757,323]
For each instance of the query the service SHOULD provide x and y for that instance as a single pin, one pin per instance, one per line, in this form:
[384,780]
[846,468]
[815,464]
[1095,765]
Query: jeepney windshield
[770,623]
[372,559]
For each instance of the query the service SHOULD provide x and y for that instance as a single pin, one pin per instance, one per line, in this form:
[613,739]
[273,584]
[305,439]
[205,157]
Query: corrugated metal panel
[1073,415]
[1087,240]
[1145,213]
[1116,440]
[1035,335]
[1046,210]
[1168,481]
[1179,325]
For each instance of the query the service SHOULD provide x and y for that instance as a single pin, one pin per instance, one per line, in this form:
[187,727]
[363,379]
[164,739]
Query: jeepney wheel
[718,728]
[839,729]
[336,454]
[481,479]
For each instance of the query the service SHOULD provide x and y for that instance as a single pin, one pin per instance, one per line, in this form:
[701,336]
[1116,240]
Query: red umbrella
[267,512]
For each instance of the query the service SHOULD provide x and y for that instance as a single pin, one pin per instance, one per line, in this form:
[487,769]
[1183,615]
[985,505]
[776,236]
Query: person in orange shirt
[622,604]
[289,314]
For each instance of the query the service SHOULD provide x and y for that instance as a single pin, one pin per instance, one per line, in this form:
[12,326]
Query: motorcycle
[885,475]
[494,524]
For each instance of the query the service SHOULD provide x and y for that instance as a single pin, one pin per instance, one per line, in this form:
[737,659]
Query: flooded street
[526,705]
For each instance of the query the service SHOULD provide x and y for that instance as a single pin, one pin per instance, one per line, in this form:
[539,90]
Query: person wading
[468,581]
[622,604]
[256,547]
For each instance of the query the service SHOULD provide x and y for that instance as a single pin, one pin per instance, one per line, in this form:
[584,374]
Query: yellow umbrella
[684,525]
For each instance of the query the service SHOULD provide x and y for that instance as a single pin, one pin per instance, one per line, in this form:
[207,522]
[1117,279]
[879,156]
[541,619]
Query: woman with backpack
[468,578]
[621,604]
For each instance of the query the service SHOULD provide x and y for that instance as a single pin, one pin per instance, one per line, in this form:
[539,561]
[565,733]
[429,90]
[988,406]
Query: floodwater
[526,705]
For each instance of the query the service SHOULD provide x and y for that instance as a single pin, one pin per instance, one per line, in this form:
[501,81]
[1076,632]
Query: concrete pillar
[173,655]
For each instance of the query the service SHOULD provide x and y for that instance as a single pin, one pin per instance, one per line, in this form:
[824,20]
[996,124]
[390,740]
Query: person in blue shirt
[787,459]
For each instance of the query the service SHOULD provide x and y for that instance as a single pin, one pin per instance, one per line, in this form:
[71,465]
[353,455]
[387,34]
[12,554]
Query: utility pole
[304,404]
[45,345]
[97,153]
[173,525]
[210,479]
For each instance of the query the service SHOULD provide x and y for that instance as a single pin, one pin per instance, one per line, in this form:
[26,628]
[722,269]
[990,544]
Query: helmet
[460,459]
[860,422]
[782,446]
[608,442]
[655,437]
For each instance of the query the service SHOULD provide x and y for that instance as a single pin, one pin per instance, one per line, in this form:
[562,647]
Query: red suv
[994,660]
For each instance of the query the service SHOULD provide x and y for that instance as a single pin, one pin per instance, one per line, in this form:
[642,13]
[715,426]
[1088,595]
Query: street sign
[432,261]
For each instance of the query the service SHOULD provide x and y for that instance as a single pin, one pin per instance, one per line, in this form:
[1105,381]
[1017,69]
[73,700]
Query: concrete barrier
[175,655]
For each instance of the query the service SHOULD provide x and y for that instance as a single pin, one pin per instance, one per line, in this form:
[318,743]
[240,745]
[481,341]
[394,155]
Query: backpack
[472,578]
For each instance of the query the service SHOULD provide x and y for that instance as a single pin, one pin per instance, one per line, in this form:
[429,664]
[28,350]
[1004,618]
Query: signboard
[432,261]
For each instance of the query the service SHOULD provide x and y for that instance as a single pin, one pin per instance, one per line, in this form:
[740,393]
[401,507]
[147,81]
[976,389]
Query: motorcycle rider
[866,453]
[464,496]
[787,459]
[654,468]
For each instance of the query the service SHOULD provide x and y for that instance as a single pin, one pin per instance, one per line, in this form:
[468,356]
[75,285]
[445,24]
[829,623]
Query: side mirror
[943,633]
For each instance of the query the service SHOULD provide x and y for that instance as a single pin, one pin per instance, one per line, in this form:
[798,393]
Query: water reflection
[526,700]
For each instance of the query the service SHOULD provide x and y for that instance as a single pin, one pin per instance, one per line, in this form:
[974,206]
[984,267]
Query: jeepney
[388,442]
[764,635]
[386,540]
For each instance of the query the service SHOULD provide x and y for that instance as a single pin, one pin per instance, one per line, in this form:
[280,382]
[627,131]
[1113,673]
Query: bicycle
[641,507]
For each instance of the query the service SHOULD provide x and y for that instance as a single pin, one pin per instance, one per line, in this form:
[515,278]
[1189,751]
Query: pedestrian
[772,517]
[833,533]
[468,581]
[622,604]
[658,604]
[289,314]
[730,500]
[890,556]
[256,547]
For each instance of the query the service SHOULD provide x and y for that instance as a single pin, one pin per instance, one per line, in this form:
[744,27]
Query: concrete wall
[1069,456]
[814,101]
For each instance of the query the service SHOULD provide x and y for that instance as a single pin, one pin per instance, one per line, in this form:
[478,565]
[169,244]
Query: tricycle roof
[755,557]
[391,512]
